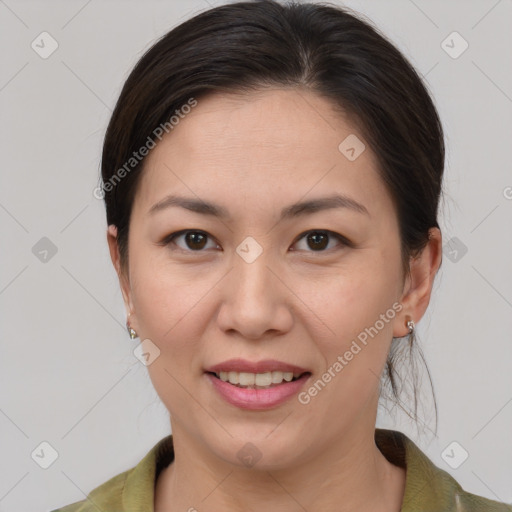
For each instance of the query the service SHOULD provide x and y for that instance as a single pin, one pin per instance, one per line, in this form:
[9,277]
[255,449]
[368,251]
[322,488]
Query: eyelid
[342,239]
[168,239]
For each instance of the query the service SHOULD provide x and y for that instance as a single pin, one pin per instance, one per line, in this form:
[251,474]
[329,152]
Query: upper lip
[243,365]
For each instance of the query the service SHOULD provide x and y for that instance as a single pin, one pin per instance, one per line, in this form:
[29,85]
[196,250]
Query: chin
[256,450]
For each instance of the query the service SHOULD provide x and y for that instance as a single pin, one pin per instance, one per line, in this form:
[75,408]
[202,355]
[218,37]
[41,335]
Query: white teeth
[288,376]
[246,379]
[264,380]
[277,377]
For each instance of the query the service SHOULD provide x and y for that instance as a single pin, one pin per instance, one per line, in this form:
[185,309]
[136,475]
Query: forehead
[269,147]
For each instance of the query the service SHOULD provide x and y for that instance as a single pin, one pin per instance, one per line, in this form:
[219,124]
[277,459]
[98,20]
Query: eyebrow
[294,210]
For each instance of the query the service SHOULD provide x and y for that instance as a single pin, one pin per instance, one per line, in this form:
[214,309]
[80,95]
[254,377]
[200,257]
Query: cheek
[167,306]
[160,294]
[170,312]
[357,313]
[351,299]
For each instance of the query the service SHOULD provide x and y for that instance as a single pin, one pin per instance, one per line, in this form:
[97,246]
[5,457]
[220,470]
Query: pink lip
[242,365]
[257,399]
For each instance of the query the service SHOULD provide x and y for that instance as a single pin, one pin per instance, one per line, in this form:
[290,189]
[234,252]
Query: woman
[272,175]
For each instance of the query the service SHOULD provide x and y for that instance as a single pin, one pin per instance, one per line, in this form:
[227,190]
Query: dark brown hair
[245,46]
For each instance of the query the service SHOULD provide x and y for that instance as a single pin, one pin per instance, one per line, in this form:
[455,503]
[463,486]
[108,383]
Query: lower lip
[257,399]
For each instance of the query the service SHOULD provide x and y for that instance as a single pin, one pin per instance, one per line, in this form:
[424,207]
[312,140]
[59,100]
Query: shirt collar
[427,487]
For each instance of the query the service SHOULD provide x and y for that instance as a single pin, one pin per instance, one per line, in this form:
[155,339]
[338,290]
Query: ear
[124,281]
[418,285]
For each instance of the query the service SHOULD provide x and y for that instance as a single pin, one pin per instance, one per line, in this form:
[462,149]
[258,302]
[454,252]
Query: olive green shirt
[427,487]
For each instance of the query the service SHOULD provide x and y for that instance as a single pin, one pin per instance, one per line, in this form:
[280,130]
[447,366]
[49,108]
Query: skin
[254,155]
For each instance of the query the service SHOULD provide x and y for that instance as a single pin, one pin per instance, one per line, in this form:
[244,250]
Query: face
[257,286]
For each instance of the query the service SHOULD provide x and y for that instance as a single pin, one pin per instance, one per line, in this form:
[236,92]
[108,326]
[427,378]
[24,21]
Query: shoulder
[428,487]
[473,503]
[445,490]
[436,489]
[134,486]
[107,496]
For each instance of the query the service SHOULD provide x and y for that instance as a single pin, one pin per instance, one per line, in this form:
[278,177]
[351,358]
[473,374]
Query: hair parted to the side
[330,50]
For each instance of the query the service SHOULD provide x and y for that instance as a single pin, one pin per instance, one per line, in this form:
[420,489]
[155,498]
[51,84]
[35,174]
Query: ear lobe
[116,261]
[419,282]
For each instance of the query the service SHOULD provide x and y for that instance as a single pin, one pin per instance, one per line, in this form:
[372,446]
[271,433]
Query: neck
[350,475]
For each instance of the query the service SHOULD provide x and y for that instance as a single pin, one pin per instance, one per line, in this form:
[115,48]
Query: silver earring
[133,334]
[410,326]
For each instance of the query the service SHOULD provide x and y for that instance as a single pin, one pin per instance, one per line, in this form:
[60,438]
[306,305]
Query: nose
[256,303]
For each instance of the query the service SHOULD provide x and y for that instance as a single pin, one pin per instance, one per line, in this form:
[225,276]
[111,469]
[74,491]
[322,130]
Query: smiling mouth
[263,380]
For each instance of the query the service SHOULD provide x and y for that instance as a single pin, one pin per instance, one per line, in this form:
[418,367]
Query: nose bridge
[252,273]
[256,300]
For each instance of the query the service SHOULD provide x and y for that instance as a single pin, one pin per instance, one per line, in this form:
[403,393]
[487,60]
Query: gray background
[68,374]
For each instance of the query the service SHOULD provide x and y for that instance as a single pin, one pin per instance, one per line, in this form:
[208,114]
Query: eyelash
[343,241]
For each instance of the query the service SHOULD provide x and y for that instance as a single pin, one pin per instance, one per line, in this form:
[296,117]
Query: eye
[319,240]
[195,241]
